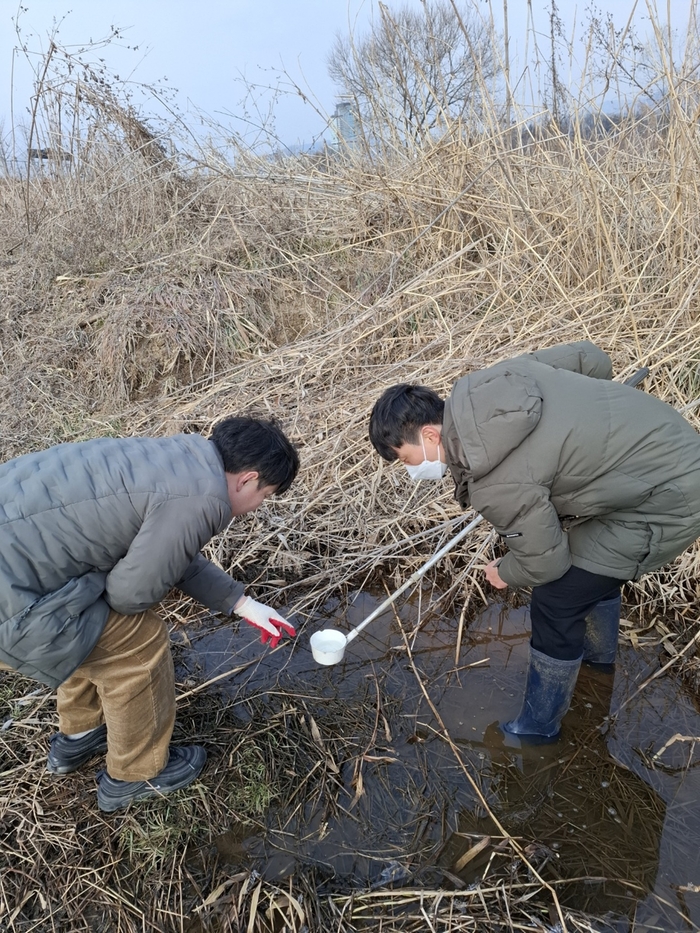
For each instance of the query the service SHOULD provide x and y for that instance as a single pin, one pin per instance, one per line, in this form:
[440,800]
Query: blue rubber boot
[602,629]
[548,691]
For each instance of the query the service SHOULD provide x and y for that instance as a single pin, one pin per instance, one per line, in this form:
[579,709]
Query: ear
[432,433]
[249,476]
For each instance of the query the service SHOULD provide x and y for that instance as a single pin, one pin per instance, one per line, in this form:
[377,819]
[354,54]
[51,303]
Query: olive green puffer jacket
[571,468]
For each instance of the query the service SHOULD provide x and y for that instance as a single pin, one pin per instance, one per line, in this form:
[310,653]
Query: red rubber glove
[263,617]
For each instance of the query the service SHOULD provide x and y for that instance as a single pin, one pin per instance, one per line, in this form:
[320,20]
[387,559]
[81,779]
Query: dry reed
[145,293]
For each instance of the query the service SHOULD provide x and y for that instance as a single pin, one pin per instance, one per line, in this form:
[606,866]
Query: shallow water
[591,809]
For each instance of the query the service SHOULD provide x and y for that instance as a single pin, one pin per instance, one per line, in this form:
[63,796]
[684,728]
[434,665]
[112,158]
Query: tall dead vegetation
[151,288]
[153,283]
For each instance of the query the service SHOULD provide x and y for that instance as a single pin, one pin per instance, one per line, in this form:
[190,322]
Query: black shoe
[184,765]
[66,755]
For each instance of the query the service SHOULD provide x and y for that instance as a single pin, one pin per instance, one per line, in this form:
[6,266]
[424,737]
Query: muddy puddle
[618,830]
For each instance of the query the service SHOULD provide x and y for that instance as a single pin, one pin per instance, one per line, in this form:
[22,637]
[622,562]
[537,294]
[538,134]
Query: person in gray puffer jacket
[589,483]
[92,535]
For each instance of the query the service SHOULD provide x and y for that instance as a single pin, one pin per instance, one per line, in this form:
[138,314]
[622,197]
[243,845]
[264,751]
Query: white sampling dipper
[328,646]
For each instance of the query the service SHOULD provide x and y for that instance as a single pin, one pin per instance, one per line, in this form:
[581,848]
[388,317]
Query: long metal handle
[415,578]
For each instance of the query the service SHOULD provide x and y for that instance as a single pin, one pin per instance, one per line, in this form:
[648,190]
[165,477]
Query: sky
[211,50]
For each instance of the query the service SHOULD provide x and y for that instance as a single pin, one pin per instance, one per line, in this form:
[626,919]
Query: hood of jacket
[489,414]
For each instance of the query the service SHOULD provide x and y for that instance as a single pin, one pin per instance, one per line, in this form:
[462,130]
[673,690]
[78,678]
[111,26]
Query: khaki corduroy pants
[128,682]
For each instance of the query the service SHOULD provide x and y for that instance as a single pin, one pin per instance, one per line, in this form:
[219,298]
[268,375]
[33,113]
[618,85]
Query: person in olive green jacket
[589,483]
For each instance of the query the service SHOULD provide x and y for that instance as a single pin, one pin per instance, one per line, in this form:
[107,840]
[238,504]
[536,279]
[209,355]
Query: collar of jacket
[227,521]
[454,455]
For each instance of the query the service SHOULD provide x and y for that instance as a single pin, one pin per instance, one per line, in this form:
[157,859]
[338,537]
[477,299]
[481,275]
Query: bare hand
[493,576]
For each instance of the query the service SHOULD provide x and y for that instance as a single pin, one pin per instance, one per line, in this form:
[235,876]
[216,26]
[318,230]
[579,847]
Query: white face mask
[428,469]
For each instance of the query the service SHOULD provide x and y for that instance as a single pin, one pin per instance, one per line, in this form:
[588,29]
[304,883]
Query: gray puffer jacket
[105,524]
[572,468]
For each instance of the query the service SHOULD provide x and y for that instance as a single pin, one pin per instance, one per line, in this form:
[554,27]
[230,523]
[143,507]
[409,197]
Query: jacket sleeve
[581,357]
[524,517]
[173,532]
[210,585]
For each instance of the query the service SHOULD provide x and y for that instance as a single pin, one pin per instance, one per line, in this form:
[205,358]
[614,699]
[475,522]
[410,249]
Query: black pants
[558,611]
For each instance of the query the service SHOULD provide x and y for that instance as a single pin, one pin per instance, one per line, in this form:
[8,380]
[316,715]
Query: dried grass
[147,294]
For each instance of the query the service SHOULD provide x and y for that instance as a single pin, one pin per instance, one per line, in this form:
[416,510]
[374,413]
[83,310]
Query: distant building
[56,155]
[345,124]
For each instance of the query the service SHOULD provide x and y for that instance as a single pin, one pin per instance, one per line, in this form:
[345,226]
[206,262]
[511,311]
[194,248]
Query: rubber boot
[602,629]
[548,691]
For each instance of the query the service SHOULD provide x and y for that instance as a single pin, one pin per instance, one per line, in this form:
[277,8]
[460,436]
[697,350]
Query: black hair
[255,444]
[399,414]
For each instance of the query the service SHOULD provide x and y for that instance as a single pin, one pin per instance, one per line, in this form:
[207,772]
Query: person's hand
[493,576]
[270,623]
